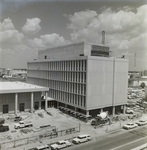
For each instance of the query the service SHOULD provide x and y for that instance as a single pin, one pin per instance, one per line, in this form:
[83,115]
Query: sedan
[130,126]
[141,122]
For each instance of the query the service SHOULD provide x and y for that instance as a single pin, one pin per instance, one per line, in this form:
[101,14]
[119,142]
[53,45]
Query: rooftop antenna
[103,37]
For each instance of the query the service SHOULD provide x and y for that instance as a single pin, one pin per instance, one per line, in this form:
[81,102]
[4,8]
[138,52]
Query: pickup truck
[60,144]
[4,128]
[23,124]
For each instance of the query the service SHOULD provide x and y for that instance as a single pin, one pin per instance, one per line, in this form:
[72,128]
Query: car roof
[61,141]
[42,146]
[83,135]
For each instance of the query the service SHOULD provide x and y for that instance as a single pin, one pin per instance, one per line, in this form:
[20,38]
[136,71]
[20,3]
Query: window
[5,109]
[21,106]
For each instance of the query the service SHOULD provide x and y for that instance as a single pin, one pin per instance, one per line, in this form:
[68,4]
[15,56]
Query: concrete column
[16,103]
[75,111]
[32,102]
[46,95]
[101,109]
[57,104]
[113,111]
[87,112]
[124,108]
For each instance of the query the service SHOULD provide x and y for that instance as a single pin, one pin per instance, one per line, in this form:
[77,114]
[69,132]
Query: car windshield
[130,124]
[60,143]
[142,121]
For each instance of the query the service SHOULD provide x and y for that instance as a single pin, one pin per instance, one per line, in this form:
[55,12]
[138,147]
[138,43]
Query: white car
[141,122]
[129,111]
[81,139]
[60,145]
[130,126]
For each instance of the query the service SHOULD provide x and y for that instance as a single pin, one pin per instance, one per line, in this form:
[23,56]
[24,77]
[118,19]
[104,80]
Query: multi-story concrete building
[82,78]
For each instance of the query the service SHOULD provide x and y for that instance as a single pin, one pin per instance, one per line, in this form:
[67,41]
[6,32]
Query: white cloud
[8,34]
[47,40]
[32,26]
[122,27]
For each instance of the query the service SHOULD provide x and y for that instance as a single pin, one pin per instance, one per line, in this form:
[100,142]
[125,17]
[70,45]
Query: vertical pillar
[113,111]
[87,114]
[16,103]
[46,95]
[101,109]
[124,108]
[57,104]
[75,111]
[32,102]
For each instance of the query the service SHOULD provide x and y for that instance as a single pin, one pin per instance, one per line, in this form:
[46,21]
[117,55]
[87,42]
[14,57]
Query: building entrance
[42,104]
[5,109]
[36,105]
[50,104]
[21,106]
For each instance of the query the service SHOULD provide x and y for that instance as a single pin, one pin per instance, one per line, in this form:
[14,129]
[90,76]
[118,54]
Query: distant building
[82,78]
[137,81]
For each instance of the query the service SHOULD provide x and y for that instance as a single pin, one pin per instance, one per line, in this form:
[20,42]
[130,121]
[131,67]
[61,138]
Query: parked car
[60,145]
[2,120]
[129,111]
[42,147]
[130,126]
[4,128]
[17,118]
[141,122]
[81,139]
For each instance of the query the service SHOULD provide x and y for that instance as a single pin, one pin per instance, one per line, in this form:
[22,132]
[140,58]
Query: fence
[38,137]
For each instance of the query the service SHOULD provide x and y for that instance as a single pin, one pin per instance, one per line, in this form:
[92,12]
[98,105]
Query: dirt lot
[56,119]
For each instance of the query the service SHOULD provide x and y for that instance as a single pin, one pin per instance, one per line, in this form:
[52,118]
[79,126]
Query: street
[117,141]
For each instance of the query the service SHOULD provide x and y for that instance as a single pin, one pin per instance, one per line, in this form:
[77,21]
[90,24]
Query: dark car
[2,120]
[4,128]
[17,118]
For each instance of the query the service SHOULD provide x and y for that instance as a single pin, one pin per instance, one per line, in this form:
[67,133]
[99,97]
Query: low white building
[18,96]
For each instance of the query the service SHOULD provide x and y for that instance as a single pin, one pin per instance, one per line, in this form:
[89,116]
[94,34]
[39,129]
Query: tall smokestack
[103,37]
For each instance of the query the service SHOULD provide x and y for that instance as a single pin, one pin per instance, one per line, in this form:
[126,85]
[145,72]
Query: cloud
[8,33]
[123,27]
[32,26]
[46,41]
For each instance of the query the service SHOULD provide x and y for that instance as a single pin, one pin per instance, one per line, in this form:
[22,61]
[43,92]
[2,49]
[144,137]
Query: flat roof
[20,87]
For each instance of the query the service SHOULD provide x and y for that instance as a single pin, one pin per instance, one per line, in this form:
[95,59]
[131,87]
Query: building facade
[82,78]
[18,97]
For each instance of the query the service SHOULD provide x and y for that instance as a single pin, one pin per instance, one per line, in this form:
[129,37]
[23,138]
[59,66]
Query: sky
[28,26]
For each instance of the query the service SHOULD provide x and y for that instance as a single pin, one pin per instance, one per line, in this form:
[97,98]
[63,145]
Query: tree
[142,84]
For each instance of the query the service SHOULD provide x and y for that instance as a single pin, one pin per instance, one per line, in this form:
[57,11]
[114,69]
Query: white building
[82,78]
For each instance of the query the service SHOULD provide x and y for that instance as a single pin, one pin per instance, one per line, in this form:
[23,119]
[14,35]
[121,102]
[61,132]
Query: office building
[82,78]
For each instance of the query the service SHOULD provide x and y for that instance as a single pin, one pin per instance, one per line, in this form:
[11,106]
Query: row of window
[68,87]
[68,76]
[73,65]
[70,98]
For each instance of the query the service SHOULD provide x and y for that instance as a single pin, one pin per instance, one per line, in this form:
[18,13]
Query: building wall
[106,82]
[71,50]
[91,83]
[66,80]
[120,81]
[9,99]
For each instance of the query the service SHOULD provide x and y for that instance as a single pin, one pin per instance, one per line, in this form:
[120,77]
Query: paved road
[124,140]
